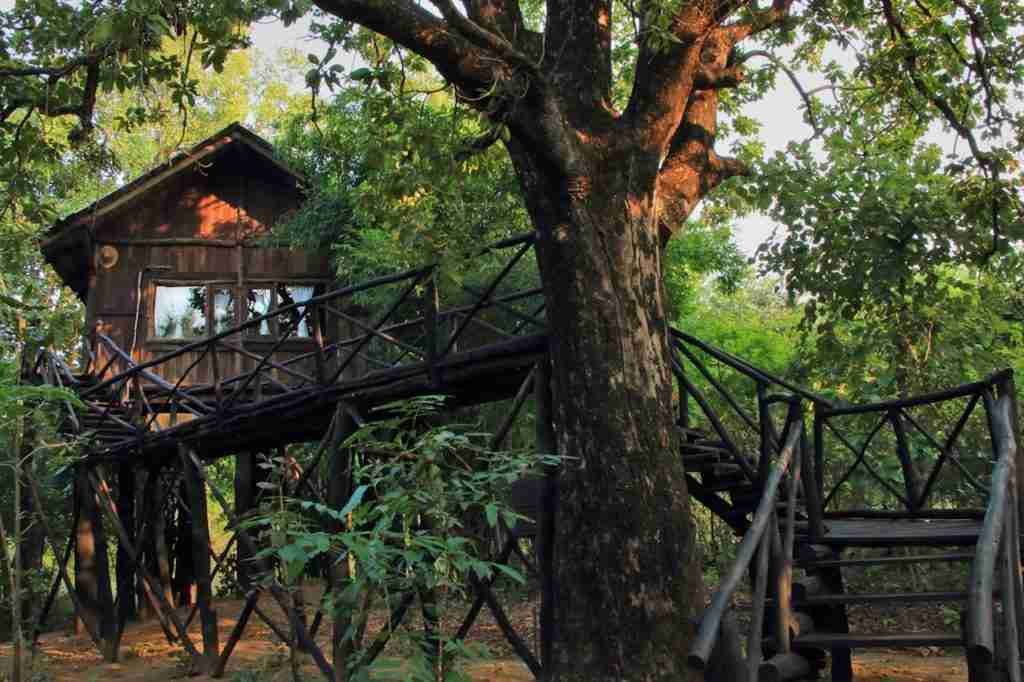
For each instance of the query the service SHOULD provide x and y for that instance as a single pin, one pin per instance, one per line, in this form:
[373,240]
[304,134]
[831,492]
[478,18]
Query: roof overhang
[68,245]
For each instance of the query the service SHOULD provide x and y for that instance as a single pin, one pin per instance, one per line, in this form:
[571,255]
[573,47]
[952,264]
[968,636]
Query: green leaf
[361,74]
[353,501]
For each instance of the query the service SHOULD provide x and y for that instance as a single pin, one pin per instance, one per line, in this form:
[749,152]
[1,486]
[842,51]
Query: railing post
[430,330]
[684,400]
[754,642]
[765,433]
[1007,387]
[911,483]
[819,453]
[318,338]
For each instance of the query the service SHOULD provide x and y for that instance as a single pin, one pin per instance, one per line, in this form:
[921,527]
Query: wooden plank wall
[198,226]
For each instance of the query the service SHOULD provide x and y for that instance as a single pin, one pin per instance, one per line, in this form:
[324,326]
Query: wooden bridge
[796,495]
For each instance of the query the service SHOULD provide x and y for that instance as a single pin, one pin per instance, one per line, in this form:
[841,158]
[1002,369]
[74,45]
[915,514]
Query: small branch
[805,95]
[480,144]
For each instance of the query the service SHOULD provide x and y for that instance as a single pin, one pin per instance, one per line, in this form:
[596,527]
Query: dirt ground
[146,655]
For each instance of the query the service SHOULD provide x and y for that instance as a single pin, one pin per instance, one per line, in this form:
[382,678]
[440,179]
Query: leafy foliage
[424,498]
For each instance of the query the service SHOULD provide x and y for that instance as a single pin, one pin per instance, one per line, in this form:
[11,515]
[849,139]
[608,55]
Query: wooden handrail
[755,373]
[998,534]
[707,634]
[922,399]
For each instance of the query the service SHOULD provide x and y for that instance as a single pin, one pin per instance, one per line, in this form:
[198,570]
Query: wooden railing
[774,554]
[998,548]
[750,438]
[412,335]
[890,428]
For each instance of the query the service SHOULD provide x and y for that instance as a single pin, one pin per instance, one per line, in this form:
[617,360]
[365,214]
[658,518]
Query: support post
[1008,388]
[911,481]
[196,490]
[92,575]
[339,488]
[546,445]
[126,605]
[279,595]
[248,475]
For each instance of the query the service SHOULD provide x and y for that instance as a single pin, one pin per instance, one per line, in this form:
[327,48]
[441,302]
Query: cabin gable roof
[69,243]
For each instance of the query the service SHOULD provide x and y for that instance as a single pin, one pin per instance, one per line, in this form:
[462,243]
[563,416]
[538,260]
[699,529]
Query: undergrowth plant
[426,496]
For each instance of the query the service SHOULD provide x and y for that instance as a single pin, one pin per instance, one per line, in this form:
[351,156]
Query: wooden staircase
[801,551]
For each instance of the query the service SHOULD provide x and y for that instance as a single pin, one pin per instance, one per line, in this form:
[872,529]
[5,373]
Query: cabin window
[180,312]
[263,299]
[288,294]
[258,303]
[196,310]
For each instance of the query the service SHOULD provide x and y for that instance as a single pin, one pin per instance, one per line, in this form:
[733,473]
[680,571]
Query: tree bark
[626,561]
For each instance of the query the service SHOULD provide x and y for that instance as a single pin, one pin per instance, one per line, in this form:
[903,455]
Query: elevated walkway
[932,477]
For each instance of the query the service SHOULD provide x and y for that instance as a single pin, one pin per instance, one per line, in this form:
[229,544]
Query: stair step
[825,640]
[880,598]
[700,460]
[872,561]
[782,667]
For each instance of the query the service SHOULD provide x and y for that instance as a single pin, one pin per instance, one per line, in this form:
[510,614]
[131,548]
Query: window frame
[210,285]
[319,286]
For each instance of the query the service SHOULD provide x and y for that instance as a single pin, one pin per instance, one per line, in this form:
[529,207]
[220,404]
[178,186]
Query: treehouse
[181,254]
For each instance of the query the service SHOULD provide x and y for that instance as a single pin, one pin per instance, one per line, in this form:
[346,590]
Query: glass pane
[257,304]
[179,312]
[288,294]
[223,309]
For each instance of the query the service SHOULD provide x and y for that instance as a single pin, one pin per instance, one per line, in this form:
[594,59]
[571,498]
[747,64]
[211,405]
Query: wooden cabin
[177,255]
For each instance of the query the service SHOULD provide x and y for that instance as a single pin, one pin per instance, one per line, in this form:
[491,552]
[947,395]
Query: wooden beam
[236,633]
[102,491]
[201,560]
[92,576]
[94,633]
[275,590]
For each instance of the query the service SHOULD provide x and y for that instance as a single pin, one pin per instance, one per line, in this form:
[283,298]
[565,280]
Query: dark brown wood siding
[199,226]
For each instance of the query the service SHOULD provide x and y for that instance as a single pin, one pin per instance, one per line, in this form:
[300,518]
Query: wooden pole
[201,559]
[92,576]
[102,491]
[236,633]
[125,568]
[339,488]
[71,588]
[547,444]
[15,566]
[276,591]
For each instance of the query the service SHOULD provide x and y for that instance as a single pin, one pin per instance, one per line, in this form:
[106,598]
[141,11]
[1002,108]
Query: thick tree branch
[578,43]
[692,168]
[715,78]
[505,18]
[484,38]
[469,67]
[760,21]
[34,71]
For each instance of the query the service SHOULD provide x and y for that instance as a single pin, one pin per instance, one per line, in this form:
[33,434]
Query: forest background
[883,279]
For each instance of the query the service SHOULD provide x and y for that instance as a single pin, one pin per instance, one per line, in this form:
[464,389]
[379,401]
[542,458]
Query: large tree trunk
[626,562]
